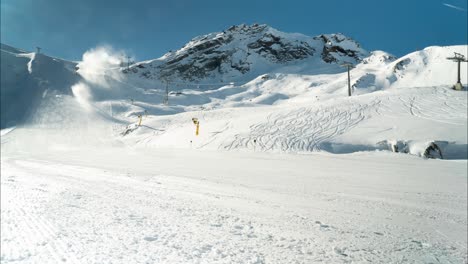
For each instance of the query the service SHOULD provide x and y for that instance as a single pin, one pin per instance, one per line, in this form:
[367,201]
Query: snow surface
[123,205]
[286,167]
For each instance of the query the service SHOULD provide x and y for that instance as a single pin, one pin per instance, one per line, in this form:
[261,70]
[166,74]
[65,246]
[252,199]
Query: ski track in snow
[301,130]
[436,107]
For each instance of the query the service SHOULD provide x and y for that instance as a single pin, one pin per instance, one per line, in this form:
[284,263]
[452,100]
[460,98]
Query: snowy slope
[122,205]
[27,78]
[300,77]
[428,67]
[340,125]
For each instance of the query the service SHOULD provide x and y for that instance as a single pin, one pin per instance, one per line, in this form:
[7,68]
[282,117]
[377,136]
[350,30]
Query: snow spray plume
[79,119]
[100,68]
[101,63]
[82,94]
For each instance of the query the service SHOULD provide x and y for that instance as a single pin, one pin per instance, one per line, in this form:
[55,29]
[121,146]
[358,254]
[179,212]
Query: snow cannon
[197,124]
[140,117]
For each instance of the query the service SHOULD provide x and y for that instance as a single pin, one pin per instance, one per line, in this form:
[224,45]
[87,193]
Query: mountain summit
[243,52]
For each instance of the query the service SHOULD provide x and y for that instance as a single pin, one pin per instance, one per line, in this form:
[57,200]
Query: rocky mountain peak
[241,49]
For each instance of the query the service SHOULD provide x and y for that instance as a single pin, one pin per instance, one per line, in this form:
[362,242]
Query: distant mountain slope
[26,78]
[428,67]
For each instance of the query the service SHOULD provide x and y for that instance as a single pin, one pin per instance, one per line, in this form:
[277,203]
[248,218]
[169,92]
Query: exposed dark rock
[433,152]
[276,50]
[146,74]
[401,65]
[330,47]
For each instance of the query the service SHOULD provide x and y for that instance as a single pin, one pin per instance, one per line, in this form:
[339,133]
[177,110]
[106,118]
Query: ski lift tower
[458,58]
[128,63]
[349,66]
[166,96]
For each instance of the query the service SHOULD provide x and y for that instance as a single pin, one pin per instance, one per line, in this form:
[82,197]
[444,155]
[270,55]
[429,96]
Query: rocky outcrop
[279,50]
[333,50]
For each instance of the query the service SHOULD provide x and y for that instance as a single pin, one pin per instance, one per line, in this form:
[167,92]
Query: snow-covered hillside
[428,67]
[295,83]
[28,77]
[340,125]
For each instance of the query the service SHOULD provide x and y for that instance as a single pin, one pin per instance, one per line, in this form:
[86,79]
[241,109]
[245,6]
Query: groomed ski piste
[286,168]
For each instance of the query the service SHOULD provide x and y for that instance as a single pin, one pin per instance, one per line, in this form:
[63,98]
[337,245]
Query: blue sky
[147,29]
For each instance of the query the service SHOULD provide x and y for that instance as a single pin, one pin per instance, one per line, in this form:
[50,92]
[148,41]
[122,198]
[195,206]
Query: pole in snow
[128,63]
[459,58]
[140,117]
[197,125]
[38,50]
[166,99]
[349,66]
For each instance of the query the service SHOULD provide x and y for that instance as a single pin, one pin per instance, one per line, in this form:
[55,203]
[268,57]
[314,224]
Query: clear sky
[147,29]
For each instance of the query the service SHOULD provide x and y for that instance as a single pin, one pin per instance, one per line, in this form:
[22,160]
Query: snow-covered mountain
[244,52]
[237,55]
[241,67]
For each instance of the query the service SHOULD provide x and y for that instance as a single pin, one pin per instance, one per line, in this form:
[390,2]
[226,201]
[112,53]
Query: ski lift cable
[177,83]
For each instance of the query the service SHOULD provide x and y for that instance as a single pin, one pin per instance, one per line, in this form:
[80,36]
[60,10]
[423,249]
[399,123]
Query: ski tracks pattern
[438,105]
[304,129]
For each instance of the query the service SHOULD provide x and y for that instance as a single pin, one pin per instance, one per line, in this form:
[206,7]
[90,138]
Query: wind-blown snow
[83,95]
[100,64]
